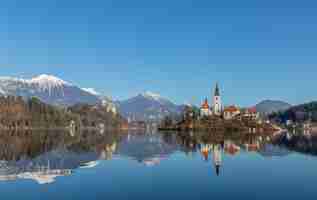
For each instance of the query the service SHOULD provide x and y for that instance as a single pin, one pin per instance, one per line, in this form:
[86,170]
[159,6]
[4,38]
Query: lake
[92,165]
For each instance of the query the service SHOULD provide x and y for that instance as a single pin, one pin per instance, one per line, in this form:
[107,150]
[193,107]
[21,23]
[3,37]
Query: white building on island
[217,104]
[215,108]
[205,109]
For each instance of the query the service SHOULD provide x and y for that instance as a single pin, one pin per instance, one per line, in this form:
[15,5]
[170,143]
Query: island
[217,118]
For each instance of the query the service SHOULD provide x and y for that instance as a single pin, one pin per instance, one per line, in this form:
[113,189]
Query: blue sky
[255,49]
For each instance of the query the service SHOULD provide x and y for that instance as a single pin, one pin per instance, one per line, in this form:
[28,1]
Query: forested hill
[15,112]
[94,115]
[299,113]
[18,113]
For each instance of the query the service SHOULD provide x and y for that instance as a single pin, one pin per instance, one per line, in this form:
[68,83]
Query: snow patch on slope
[2,92]
[152,95]
[13,79]
[91,91]
[48,83]
[48,88]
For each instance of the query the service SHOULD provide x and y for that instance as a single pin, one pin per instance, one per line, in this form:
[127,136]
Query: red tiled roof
[205,105]
[253,147]
[231,109]
[205,154]
[252,110]
[232,149]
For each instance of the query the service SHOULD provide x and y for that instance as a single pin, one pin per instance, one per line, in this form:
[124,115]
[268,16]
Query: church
[216,106]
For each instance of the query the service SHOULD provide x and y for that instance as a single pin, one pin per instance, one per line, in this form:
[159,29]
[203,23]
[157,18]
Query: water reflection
[44,156]
[299,142]
[148,149]
[214,147]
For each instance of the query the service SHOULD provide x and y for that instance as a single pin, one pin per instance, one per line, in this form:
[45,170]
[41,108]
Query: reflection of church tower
[217,158]
[217,170]
[217,104]
[205,151]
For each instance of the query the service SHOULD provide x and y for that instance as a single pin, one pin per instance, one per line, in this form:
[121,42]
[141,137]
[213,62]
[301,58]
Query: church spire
[217,105]
[217,91]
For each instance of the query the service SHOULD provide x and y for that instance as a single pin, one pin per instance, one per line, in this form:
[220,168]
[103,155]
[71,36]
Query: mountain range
[148,106]
[269,106]
[145,106]
[298,113]
[55,91]
[49,89]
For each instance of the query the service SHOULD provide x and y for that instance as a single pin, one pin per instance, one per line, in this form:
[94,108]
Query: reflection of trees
[190,142]
[212,145]
[298,143]
[43,156]
[17,145]
[263,143]
[27,145]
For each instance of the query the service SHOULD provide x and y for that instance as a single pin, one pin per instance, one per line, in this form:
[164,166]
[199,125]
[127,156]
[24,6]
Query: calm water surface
[61,166]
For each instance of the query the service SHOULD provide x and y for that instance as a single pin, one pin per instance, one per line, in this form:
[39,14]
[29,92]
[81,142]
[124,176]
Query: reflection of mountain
[149,149]
[298,143]
[43,157]
[298,113]
[270,150]
[45,167]
[46,156]
[42,175]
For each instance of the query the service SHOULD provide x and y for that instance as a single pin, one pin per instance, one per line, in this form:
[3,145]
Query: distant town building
[110,107]
[251,114]
[231,112]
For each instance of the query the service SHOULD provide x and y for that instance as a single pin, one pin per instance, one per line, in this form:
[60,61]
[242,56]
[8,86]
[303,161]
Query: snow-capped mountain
[53,90]
[152,95]
[48,88]
[147,106]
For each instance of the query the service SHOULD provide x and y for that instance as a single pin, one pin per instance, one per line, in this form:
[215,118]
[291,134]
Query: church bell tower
[217,104]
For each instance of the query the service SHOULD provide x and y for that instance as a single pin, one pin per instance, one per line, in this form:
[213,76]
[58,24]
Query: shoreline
[59,129]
